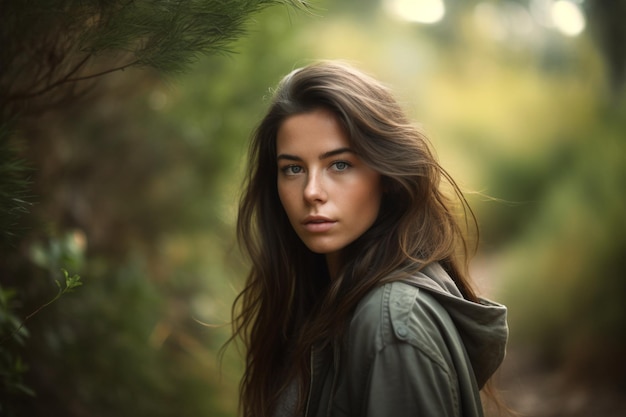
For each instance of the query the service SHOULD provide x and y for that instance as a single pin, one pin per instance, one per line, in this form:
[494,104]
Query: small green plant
[71,283]
[14,334]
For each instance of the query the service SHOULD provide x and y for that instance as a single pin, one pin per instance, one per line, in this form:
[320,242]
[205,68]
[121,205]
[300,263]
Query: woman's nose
[314,191]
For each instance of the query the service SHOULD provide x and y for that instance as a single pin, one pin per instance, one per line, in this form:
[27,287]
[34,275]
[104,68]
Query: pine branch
[14,188]
[165,35]
[67,78]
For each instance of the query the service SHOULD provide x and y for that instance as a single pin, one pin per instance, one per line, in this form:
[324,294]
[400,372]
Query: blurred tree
[607,26]
[86,182]
[53,51]
[51,46]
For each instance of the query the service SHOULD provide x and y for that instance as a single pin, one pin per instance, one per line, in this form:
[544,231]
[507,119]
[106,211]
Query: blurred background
[130,180]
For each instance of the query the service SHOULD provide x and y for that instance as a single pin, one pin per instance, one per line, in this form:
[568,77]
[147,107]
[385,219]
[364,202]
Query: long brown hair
[289,302]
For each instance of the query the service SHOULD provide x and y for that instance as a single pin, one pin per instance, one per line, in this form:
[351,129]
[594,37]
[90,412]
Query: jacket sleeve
[405,381]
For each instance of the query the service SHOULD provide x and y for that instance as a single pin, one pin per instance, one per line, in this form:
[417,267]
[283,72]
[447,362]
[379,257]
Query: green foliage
[569,259]
[12,366]
[13,336]
[82,40]
[137,194]
[112,174]
[71,283]
[15,198]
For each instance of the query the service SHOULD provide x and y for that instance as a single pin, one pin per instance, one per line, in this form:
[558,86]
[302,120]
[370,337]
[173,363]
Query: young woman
[358,302]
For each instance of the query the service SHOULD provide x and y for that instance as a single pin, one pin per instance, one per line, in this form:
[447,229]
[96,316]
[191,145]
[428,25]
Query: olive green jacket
[413,348]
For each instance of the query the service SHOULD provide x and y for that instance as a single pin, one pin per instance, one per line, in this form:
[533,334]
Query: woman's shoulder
[398,312]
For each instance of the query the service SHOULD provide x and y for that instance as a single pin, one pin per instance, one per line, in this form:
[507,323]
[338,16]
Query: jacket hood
[482,325]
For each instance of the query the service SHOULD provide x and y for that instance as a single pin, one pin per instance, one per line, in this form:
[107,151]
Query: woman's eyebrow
[321,157]
[288,157]
[335,152]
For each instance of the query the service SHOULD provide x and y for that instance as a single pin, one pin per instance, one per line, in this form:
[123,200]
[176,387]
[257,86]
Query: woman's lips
[318,224]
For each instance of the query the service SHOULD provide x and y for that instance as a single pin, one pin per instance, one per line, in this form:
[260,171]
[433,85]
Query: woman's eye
[292,169]
[341,165]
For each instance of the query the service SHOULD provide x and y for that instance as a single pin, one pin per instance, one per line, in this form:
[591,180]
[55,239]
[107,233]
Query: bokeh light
[568,17]
[419,11]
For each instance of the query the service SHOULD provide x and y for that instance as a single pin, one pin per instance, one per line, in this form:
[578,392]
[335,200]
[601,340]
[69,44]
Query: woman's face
[330,195]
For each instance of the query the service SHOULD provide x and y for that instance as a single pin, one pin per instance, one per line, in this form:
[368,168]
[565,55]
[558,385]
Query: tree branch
[67,79]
